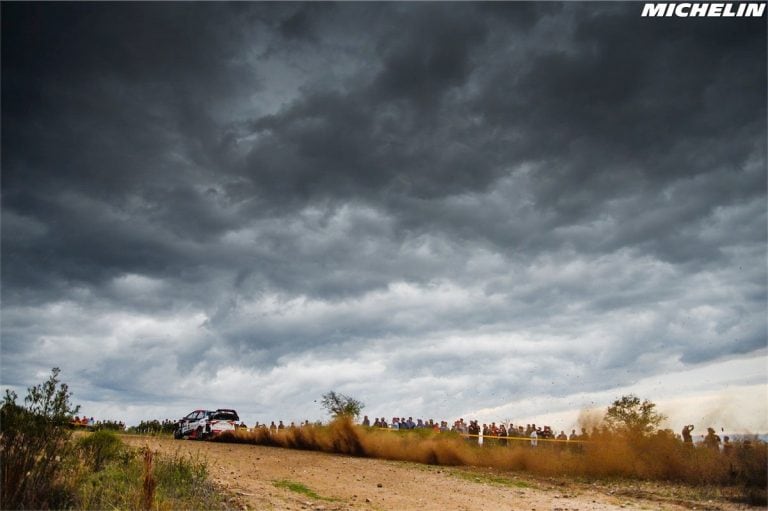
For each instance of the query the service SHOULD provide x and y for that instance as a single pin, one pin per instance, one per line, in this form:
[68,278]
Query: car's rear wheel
[199,433]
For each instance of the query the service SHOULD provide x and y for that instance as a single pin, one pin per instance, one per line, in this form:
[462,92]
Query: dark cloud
[568,191]
[431,56]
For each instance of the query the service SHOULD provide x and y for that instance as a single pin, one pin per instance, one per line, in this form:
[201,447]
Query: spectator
[712,441]
[727,445]
[686,434]
[474,431]
[366,421]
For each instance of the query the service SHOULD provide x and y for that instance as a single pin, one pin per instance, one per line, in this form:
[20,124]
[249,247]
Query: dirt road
[265,478]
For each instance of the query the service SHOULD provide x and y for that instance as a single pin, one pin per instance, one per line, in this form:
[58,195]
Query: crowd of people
[501,434]
[711,440]
[473,428]
[274,428]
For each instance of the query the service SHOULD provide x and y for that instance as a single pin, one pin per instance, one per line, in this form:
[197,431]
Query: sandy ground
[249,473]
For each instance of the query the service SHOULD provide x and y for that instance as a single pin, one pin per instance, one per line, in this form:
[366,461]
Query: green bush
[34,442]
[43,468]
[99,448]
[145,480]
[113,487]
[182,478]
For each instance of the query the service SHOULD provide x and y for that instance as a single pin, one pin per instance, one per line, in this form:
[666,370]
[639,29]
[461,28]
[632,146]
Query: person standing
[503,435]
[712,441]
[686,433]
[727,445]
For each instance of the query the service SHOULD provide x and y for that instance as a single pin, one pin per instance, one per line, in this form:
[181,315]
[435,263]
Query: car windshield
[226,415]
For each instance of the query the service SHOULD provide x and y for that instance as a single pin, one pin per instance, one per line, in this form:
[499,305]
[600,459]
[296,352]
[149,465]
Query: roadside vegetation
[45,466]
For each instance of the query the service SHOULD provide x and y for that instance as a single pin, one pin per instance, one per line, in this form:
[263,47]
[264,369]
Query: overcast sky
[501,211]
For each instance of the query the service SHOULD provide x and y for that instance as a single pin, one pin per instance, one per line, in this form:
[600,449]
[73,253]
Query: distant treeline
[153,427]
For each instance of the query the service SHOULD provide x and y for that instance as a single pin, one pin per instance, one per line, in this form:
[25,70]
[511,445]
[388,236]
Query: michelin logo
[705,10]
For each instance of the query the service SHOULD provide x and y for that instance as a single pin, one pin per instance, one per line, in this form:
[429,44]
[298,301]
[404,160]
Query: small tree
[339,405]
[629,415]
[33,440]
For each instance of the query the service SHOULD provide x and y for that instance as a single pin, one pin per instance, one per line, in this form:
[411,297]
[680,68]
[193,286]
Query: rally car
[202,424]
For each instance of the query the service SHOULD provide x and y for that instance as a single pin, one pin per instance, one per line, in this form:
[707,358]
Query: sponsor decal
[704,10]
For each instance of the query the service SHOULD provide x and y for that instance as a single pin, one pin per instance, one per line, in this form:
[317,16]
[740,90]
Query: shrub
[34,439]
[113,487]
[100,448]
[143,479]
[183,479]
[43,468]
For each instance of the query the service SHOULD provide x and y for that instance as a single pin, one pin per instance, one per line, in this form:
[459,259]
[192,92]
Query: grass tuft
[478,477]
[299,488]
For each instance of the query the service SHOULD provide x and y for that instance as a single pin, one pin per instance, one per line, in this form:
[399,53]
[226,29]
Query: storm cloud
[436,207]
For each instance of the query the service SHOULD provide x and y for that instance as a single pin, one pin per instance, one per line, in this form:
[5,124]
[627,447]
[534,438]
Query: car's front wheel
[177,434]
[200,433]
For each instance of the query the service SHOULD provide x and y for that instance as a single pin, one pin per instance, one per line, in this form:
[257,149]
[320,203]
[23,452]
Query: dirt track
[343,483]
